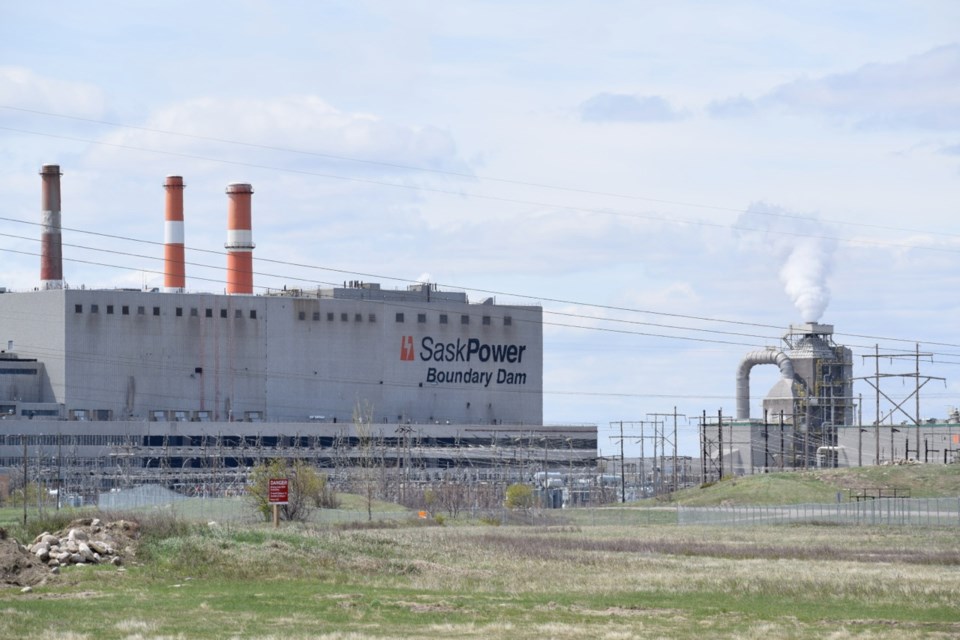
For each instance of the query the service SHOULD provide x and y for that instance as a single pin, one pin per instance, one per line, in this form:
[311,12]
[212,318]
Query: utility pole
[874,381]
[720,438]
[663,441]
[623,474]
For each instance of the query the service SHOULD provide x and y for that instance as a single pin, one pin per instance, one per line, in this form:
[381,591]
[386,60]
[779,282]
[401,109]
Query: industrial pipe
[767,356]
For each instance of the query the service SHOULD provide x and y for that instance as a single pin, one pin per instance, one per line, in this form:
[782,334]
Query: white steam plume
[801,245]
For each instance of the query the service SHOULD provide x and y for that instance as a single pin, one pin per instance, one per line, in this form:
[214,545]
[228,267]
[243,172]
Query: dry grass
[606,582]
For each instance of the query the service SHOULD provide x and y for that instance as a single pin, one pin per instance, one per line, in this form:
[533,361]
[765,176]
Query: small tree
[363,425]
[519,496]
[307,489]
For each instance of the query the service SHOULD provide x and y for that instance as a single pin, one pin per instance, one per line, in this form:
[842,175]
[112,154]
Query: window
[443,318]
[316,316]
[125,310]
[329,316]
[208,313]
[156,311]
[421,318]
[399,317]
[372,317]
[486,321]
[238,313]
[94,308]
[343,317]
[223,313]
[194,312]
[253,314]
[302,315]
[109,309]
[464,319]
[358,317]
[507,321]
[179,312]
[141,310]
[78,308]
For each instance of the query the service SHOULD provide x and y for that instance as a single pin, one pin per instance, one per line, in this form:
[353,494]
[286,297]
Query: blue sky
[653,173]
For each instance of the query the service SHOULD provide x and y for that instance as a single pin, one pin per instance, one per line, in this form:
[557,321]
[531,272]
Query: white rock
[85,552]
[26,590]
[50,539]
[77,535]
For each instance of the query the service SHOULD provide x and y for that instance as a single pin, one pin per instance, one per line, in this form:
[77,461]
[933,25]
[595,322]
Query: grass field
[417,581]
[590,577]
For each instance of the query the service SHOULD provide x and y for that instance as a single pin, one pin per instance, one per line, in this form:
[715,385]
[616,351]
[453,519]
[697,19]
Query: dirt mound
[18,568]
[95,540]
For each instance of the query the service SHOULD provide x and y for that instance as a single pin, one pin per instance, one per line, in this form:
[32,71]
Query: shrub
[519,496]
[307,488]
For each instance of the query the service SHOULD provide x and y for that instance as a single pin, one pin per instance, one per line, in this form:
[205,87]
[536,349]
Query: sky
[674,182]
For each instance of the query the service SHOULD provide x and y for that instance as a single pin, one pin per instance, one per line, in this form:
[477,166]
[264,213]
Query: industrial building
[185,381]
[810,416]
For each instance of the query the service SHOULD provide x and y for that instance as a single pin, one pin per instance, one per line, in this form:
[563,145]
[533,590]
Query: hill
[823,485]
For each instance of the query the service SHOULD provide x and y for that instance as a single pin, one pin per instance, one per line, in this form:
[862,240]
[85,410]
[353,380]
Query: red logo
[406,347]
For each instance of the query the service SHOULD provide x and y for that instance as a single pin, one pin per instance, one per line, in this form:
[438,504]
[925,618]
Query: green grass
[508,582]
[822,485]
[609,573]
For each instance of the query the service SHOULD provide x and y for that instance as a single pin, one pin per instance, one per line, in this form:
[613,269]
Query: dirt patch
[18,568]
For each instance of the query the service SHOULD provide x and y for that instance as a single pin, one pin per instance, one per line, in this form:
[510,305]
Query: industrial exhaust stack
[174,266]
[239,243]
[51,251]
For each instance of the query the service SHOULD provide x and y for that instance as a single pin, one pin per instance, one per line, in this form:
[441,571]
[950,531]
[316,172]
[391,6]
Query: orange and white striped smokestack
[51,251]
[174,268]
[239,243]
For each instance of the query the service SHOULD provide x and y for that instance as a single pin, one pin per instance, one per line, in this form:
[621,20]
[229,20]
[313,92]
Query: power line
[532,203]
[447,285]
[445,172]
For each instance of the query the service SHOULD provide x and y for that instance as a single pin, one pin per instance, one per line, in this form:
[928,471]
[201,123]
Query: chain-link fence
[882,511]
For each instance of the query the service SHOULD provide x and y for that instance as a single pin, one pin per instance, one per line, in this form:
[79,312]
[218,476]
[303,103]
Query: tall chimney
[239,243]
[174,269]
[51,251]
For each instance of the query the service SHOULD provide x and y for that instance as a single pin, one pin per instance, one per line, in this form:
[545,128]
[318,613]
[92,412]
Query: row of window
[302,315]
[142,310]
[401,317]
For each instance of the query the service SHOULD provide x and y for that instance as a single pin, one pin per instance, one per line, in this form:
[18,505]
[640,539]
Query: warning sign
[278,490]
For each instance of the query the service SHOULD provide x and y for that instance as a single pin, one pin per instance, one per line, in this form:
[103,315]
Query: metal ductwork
[767,356]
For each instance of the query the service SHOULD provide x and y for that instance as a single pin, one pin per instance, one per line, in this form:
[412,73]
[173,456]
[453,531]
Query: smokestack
[239,244]
[51,252]
[174,269]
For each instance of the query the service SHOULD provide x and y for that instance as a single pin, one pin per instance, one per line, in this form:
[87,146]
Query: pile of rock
[84,542]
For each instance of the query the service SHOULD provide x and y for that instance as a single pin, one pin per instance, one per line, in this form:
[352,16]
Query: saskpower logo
[406,347]
[472,350]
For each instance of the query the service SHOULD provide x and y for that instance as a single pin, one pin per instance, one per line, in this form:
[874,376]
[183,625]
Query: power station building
[164,374]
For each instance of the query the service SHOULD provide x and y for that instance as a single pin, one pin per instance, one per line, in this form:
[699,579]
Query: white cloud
[25,89]
[618,107]
[266,131]
[920,92]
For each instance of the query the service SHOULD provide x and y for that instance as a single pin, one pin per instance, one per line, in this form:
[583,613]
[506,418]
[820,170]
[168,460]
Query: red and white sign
[406,348]
[278,490]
